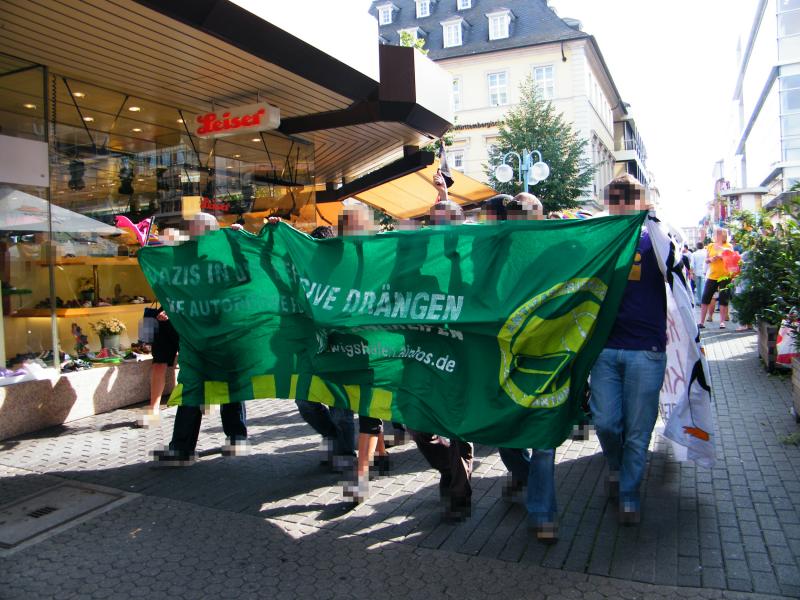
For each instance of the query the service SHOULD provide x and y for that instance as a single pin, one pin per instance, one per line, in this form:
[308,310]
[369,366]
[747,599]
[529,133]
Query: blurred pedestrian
[717,278]
[699,267]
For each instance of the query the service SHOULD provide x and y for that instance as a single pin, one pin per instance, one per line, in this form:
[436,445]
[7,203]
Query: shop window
[101,180]
[543,79]
[498,88]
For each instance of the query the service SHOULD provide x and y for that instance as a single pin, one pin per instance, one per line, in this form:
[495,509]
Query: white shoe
[357,491]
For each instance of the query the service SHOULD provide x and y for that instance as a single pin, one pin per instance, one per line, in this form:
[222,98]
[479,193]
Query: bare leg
[723,313]
[366,453]
[703,312]
[711,306]
[381,447]
[158,374]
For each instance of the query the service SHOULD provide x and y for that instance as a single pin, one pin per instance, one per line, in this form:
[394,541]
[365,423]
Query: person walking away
[699,271]
[627,376]
[718,278]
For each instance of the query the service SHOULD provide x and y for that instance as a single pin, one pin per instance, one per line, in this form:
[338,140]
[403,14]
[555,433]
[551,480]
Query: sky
[675,63]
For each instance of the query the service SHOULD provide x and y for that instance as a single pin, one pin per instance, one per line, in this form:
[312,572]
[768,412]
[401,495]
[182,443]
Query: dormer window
[423,8]
[452,32]
[414,32]
[499,24]
[463,4]
[386,13]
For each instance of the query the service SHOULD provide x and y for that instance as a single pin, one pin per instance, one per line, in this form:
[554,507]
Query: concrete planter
[33,405]
[767,344]
[796,388]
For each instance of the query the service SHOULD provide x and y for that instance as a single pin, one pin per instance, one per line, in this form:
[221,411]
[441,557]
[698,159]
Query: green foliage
[408,40]
[534,124]
[769,289]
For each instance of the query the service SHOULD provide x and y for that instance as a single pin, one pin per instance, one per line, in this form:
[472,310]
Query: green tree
[534,124]
[406,39]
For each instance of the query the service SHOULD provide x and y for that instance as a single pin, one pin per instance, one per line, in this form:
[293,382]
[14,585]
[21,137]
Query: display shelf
[81,312]
[94,261]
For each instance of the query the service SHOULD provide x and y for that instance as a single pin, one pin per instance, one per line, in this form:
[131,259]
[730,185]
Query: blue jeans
[334,424]
[536,470]
[625,388]
[699,282]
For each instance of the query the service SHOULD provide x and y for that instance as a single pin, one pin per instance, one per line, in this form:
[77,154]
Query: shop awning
[412,195]
[23,212]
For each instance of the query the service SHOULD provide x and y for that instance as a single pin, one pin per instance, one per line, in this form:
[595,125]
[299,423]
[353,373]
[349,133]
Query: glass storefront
[68,259]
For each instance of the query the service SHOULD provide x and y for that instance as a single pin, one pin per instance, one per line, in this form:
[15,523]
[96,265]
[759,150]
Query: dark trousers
[335,424]
[187,425]
[453,459]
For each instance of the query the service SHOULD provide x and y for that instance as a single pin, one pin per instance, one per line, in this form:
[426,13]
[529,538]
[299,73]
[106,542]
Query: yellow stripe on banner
[381,405]
[176,397]
[353,396]
[216,392]
[293,387]
[264,386]
[319,392]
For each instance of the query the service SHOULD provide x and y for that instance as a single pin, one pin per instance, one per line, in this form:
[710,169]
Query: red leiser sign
[240,119]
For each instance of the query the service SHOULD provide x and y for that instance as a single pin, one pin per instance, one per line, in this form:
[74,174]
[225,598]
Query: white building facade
[763,157]
[490,47]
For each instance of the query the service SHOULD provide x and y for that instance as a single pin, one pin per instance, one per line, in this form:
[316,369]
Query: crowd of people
[625,381]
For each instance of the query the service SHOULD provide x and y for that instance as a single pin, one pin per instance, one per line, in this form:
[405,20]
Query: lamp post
[529,172]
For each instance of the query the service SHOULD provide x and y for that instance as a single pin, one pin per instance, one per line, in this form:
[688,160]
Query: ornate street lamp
[530,172]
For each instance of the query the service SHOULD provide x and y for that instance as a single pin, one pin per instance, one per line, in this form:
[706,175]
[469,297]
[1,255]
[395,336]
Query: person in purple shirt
[627,377]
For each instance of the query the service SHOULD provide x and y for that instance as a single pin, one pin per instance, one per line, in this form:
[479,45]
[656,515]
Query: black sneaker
[458,511]
[511,488]
[382,464]
[173,458]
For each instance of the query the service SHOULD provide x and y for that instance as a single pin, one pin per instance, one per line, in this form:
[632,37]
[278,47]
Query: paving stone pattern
[735,528]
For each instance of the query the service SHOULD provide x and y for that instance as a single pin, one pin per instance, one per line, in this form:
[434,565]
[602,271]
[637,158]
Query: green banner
[483,332]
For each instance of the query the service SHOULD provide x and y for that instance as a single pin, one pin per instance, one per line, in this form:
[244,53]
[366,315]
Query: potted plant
[109,331]
[753,293]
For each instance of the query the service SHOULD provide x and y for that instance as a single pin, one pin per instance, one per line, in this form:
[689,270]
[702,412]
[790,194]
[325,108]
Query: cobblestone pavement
[274,523]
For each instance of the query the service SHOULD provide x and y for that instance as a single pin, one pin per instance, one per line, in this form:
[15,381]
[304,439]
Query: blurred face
[528,212]
[625,200]
[199,226]
[719,236]
[446,216]
[356,221]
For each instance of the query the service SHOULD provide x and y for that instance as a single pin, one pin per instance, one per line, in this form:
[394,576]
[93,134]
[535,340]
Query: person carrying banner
[451,457]
[627,376]
[336,425]
[186,428]
[357,219]
[530,469]
[718,278]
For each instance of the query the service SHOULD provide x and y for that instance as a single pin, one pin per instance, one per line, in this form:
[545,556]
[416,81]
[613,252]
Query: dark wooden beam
[404,166]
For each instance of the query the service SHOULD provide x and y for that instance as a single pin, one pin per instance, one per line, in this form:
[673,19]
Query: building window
[543,78]
[456,93]
[463,4]
[412,31]
[455,159]
[451,32]
[423,8]
[498,88]
[384,15]
[498,25]
[786,5]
